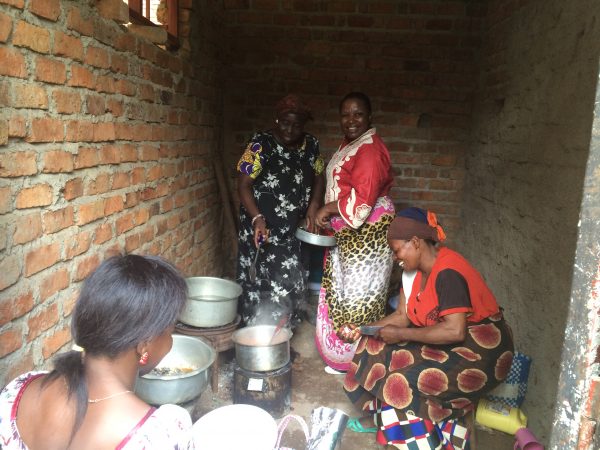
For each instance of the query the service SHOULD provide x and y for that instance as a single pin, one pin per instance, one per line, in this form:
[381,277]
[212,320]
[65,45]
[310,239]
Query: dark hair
[125,301]
[356,96]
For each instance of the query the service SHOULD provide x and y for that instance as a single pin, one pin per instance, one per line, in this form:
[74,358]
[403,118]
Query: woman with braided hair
[445,346]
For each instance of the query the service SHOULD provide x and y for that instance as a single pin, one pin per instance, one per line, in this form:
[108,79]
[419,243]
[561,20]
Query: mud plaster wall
[525,168]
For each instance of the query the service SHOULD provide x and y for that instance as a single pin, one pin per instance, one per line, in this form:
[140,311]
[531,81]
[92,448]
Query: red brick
[79,131]
[97,57]
[50,70]
[60,219]
[41,321]
[10,340]
[138,176]
[119,63]
[89,212]
[120,180]
[444,160]
[5,199]
[54,283]
[104,131]
[17,164]
[17,126]
[3,132]
[41,258]
[38,195]
[13,63]
[73,189]
[115,107]
[27,228]
[69,303]
[78,244]
[57,161]
[54,342]
[10,268]
[5,27]
[124,224]
[80,24]
[29,96]
[132,243]
[103,233]
[31,36]
[132,199]
[66,45]
[86,157]
[106,84]
[86,266]
[109,154]
[13,308]
[67,102]
[16,3]
[82,77]
[99,184]
[46,130]
[95,105]
[113,205]
[48,9]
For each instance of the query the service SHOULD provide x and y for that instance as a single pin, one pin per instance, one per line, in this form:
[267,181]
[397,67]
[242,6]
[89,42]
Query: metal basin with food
[212,302]
[315,239]
[255,352]
[181,376]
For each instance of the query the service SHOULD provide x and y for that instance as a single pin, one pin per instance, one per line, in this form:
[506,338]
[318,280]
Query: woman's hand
[390,334]
[311,218]
[349,333]
[260,230]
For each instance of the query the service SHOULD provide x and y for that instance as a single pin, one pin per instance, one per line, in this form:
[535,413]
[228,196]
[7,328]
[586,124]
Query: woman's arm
[316,199]
[450,329]
[247,200]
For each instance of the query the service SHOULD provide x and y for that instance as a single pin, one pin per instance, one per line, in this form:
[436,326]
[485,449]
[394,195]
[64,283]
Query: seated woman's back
[45,419]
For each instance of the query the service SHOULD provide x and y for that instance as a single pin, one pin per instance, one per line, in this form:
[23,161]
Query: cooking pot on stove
[254,350]
[212,302]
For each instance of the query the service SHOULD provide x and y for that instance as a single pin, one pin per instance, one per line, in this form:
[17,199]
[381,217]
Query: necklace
[96,400]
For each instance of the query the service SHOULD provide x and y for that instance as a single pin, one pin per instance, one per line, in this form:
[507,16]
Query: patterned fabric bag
[512,391]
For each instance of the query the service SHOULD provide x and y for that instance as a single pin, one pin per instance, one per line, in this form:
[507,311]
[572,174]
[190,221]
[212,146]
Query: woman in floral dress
[280,183]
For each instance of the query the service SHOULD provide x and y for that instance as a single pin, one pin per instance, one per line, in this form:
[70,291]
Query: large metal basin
[212,302]
[187,352]
[254,352]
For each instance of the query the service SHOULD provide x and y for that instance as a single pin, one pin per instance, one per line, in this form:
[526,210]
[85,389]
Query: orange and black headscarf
[416,222]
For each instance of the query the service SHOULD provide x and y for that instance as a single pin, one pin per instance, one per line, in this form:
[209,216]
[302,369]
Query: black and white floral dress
[283,180]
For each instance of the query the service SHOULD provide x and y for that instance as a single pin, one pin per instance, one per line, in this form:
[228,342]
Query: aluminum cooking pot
[181,376]
[255,352]
[212,302]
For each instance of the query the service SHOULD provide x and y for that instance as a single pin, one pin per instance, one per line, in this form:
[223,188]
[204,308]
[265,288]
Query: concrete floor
[311,388]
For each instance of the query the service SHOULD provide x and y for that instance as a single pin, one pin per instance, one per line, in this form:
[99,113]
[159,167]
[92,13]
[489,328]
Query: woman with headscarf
[445,346]
[279,184]
[354,287]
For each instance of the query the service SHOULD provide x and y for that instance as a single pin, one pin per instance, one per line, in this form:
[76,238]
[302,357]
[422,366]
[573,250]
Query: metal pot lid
[315,239]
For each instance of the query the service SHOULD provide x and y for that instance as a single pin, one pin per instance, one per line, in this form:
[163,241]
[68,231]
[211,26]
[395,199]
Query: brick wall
[415,59]
[106,145]
[525,169]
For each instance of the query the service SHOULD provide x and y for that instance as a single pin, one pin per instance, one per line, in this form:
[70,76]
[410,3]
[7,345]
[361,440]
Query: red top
[358,174]
[447,294]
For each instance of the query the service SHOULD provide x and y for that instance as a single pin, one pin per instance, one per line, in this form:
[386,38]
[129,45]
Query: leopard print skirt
[355,283]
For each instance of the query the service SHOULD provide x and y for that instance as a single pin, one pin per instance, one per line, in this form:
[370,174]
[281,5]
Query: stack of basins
[263,373]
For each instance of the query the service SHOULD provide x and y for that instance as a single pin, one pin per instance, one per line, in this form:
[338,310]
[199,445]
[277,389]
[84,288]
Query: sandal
[355,425]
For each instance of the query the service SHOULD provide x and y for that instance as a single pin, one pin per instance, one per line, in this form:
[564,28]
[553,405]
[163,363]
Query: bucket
[235,427]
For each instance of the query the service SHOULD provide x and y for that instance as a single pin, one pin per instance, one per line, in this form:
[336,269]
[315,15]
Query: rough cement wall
[531,133]
[415,59]
[106,146]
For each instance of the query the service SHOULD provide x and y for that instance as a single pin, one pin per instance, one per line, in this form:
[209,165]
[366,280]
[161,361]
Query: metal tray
[315,239]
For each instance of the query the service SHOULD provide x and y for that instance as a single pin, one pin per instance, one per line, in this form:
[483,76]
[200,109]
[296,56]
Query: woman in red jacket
[445,346]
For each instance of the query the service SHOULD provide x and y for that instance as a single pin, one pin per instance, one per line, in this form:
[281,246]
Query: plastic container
[500,417]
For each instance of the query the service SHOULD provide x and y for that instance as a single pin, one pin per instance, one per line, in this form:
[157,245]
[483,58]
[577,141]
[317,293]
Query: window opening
[162,13]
